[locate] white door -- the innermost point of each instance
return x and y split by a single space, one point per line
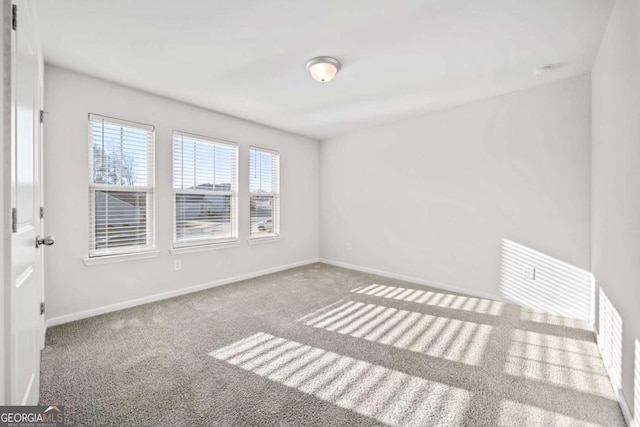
26 263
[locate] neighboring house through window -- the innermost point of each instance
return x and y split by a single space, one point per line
264 192
205 187
121 186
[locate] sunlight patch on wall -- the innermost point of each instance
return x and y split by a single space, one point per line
520 414
444 337
438 299
610 339
538 281
389 396
566 362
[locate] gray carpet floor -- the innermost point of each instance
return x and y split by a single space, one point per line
325 346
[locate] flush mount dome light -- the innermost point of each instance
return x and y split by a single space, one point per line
323 68
541 71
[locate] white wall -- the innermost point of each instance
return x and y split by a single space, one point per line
433 197
72 287
616 179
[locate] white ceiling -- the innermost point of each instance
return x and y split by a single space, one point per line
247 58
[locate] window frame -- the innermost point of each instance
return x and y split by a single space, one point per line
148 189
203 243
275 193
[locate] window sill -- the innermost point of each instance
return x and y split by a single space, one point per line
203 248
110 259
261 240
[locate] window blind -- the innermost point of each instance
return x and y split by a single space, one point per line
121 186
264 192
205 187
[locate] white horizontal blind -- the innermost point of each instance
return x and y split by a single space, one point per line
121 186
205 187
264 192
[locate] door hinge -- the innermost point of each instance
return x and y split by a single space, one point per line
14 17
41 308
14 220
41 212
42 113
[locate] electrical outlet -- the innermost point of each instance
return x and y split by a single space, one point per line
177 265
348 246
529 272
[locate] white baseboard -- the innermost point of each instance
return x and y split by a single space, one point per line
165 295
626 411
443 286
624 406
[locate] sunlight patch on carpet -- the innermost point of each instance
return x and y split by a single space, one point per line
389 396
435 299
444 337
565 362
516 413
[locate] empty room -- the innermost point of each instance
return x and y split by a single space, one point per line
320 213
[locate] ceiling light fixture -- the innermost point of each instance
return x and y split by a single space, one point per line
323 68
540 71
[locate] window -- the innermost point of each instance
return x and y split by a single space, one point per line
205 187
264 192
121 186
